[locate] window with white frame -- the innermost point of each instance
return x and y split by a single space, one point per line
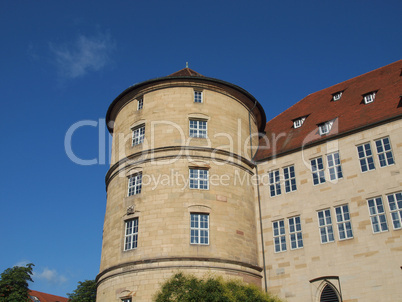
317 169
343 222
334 166
279 236
135 184
274 183
377 215
369 98
395 207
365 157
126 300
297 123
131 234
198 128
140 103
199 229
337 96
295 233
199 179
384 152
138 135
290 179
197 96
325 226
326 127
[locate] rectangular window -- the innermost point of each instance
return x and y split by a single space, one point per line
325 226
384 152
365 157
138 135
334 166
131 234
198 128
343 221
317 168
279 236
197 96
325 128
140 103
395 207
290 179
199 229
199 179
377 215
369 98
274 183
135 184
126 300
295 233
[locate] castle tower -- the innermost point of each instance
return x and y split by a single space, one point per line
180 194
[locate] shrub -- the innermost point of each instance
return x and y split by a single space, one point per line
187 288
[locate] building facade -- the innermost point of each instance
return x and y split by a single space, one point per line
308 205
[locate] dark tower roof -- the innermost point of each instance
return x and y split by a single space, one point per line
185 72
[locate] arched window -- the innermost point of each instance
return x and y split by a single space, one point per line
329 294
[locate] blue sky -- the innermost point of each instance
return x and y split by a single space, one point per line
64 62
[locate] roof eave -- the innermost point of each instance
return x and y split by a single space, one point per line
327 138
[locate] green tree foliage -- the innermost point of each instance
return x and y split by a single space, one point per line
185 288
85 292
14 283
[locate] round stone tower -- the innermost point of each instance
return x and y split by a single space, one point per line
180 189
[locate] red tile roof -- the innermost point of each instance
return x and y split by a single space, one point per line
43 297
350 112
185 72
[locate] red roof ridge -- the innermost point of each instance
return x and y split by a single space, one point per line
388 66
185 72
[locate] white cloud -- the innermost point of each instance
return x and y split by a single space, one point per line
84 55
50 275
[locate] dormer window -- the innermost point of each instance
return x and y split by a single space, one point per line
337 96
325 128
369 98
298 122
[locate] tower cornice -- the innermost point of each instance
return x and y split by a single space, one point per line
245 97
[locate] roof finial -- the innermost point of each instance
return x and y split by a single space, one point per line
186 64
